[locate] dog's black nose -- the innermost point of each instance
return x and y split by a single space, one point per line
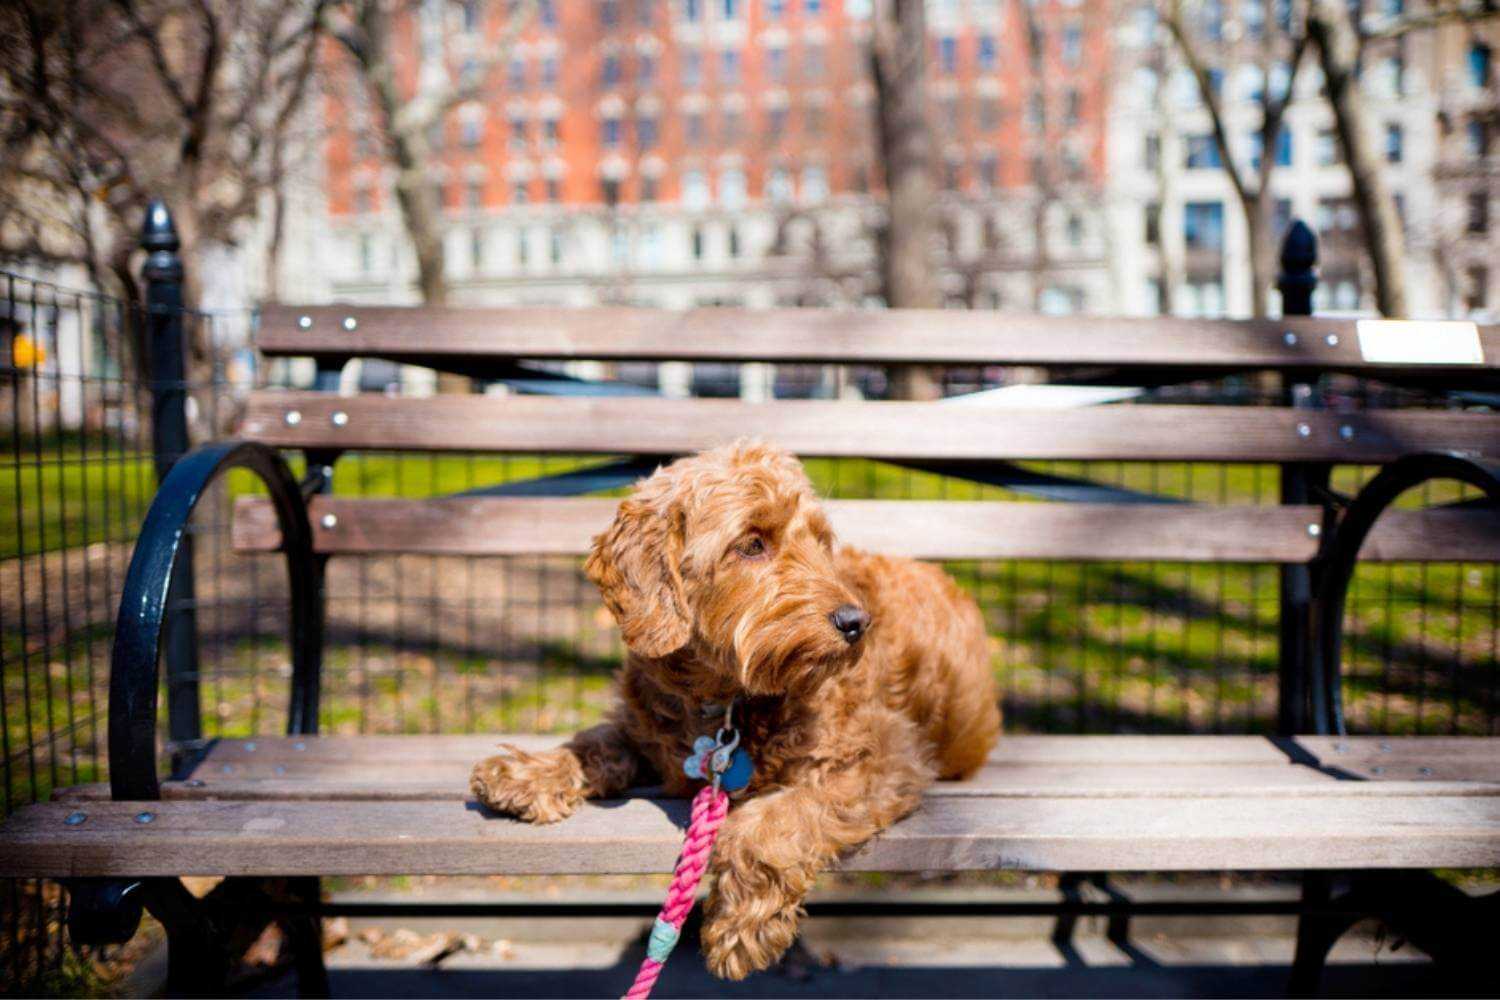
851 621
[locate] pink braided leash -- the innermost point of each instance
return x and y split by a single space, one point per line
710 806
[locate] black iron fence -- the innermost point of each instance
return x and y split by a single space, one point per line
98 396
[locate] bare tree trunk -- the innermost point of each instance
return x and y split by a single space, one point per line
1259 242
1331 29
898 60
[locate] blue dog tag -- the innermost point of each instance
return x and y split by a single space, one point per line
738 774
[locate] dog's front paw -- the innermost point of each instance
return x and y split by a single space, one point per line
536 787
746 927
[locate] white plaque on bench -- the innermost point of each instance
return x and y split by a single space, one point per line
1419 342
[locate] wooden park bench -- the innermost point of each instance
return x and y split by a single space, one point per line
276 813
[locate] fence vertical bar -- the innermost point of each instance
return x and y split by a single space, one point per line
1299 480
163 274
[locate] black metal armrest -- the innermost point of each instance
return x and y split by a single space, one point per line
144 605
1339 559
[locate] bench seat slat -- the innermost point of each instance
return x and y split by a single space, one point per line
635 836
938 529
880 430
1153 750
403 768
469 337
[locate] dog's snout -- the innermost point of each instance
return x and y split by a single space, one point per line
851 621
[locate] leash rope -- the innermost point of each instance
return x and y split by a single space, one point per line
710 806
719 760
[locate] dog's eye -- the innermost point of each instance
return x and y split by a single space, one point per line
752 547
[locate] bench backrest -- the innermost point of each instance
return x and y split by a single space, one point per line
952 434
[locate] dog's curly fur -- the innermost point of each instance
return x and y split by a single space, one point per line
722 572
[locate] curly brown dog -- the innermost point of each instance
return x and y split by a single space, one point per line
858 679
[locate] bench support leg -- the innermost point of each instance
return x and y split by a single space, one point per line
304 935
1318 930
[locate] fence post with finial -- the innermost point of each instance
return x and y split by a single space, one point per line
1300 481
163 275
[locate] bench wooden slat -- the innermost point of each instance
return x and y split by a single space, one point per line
491 526
636 836
468 337
418 767
929 431
939 529
1154 750
1033 781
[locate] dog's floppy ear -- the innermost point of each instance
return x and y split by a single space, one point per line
635 564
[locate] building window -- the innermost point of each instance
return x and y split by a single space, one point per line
520 192
776 64
518 133
1480 68
609 13
645 70
476 249
473 15
1153 224
1151 153
609 191
776 123
779 185
734 241
551 131
776 9
1328 148
814 185
547 12
989 171
1479 212
693 127
1202 153
648 189
813 120
1072 46
692 68
812 62
470 132
554 190
549 72
950 175
1253 16
812 7
366 253
645 133
1477 138
1075 230
732 126
611 128
1072 109
948 54
516 74
610 71
732 188
1477 294
554 247
988 54
1394 143
362 200
474 194
989 114
729 66
1203 225
692 10
695 189
697 243
1337 215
